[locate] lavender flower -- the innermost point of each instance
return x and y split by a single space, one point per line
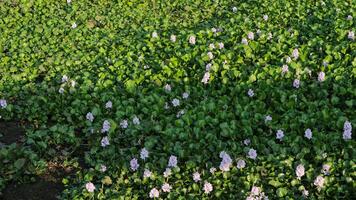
134 164
154 193
250 93
279 134
252 154
105 141
308 134
296 83
124 124
321 76
172 161
90 116
108 105
300 171
90 187
206 78
144 154
207 187
241 164
192 39
147 173
175 102
166 187
3 103
196 177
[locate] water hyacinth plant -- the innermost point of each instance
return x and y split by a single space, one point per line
179 99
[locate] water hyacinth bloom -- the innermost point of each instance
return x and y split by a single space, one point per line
319 182
72 83
308 134
146 67
210 55
270 36
349 17
175 102
103 168
285 69
247 141
207 187
296 83
305 193
74 25
90 116
147 173
226 161
255 191
167 87
64 78
244 41
172 161
166 187
221 45
124 124
105 141
295 54
250 93
241 164
206 78
154 193
196 177
136 121
185 95
321 76
208 67
234 9
211 46
180 113
279 134
69 1
106 126
351 35
347 135
268 118
61 90
144 154
167 172
108 105
212 170
326 169
258 32
252 154
90 187
288 60
300 171
250 35
3 103
265 17
173 38
166 105
134 164
192 39
154 34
